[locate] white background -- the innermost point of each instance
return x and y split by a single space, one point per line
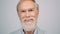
48 20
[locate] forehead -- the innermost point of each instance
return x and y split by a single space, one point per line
26 5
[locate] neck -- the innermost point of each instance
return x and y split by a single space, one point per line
28 32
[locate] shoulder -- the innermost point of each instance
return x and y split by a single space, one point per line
16 32
40 31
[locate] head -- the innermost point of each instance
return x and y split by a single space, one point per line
28 0
28 13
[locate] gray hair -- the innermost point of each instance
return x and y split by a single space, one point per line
30 0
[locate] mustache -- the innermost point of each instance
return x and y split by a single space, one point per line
28 19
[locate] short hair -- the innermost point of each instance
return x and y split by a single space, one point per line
28 0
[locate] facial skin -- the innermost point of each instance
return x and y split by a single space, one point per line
28 13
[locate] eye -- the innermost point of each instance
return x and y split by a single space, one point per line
22 11
30 10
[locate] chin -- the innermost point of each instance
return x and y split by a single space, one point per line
29 26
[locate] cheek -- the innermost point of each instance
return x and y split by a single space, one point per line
34 14
21 16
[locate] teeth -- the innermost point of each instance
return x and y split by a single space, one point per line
28 20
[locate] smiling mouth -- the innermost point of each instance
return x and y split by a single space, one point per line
28 20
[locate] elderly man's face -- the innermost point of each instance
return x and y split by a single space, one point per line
28 13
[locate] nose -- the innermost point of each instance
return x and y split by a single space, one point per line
27 14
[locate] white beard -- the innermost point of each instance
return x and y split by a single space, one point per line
29 26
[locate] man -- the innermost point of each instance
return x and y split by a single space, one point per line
28 12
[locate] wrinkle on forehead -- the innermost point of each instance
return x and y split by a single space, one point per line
26 3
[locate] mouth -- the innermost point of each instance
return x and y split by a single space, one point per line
28 20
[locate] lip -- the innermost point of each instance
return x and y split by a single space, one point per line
28 20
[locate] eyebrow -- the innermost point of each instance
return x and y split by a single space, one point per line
29 8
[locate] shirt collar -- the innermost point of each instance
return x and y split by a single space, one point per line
35 32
